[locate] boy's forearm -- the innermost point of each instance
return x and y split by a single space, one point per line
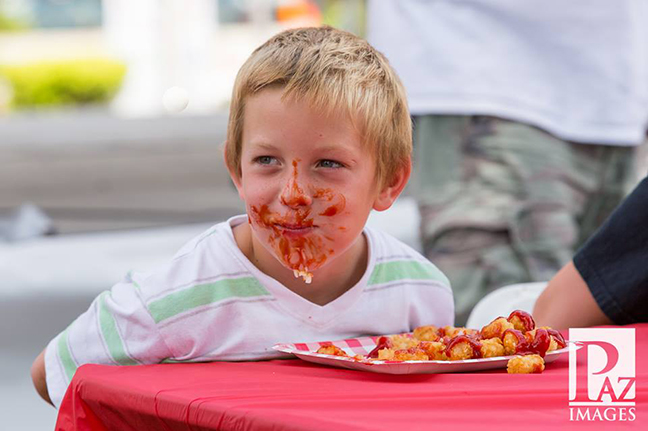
38 377
568 303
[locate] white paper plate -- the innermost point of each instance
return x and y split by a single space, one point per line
362 346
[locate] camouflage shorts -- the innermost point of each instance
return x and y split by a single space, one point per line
503 202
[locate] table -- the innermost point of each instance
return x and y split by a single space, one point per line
296 395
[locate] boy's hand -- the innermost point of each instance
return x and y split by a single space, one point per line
38 377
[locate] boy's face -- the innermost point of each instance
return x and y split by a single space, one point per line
306 180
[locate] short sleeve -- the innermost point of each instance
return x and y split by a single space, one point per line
117 329
614 261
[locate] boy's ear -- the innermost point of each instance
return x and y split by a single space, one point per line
236 179
391 191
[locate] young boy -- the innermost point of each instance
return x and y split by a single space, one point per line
319 135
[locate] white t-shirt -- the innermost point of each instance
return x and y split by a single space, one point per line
577 68
211 303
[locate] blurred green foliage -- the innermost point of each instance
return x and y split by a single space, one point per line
349 15
68 82
11 24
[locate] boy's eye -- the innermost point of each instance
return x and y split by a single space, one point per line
330 164
266 160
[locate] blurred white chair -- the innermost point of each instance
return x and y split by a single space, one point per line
504 300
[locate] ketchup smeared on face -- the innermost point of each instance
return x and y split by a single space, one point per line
296 196
294 236
334 209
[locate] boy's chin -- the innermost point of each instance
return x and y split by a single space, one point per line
307 274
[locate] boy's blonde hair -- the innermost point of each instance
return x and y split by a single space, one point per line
334 71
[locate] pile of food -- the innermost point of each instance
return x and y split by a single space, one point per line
515 336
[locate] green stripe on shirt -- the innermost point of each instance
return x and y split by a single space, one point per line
110 334
65 356
406 270
204 294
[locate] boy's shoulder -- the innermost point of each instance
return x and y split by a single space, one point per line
396 261
208 258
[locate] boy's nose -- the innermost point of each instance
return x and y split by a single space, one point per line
293 195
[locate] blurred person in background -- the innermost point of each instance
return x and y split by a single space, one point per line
527 116
607 280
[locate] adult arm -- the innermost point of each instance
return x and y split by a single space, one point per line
38 377
567 302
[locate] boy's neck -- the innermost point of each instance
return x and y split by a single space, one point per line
329 282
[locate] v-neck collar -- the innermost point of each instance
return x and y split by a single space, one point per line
292 303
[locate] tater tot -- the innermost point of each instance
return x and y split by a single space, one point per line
525 364
411 354
403 342
434 349
463 348
385 354
522 321
427 333
553 345
496 328
510 340
492 347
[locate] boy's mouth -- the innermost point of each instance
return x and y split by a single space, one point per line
291 229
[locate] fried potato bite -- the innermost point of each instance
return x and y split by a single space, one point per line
553 344
492 347
496 328
411 354
331 350
525 364
386 354
460 351
403 341
522 321
435 350
452 331
427 333
463 347
511 339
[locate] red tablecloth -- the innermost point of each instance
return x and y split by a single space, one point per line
295 395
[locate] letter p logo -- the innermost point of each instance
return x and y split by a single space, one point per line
601 366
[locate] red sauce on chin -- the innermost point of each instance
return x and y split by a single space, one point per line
296 253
